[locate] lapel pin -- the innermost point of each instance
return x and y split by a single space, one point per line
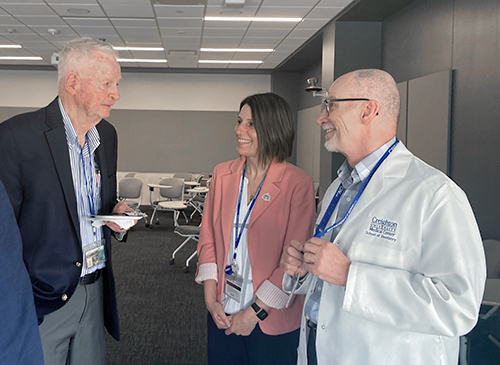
266 197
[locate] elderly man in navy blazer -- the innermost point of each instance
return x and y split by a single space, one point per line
58 165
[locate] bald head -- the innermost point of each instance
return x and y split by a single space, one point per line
373 84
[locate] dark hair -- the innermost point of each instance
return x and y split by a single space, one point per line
273 121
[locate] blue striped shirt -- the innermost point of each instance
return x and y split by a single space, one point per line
86 182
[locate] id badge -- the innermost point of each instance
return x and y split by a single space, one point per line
233 285
94 254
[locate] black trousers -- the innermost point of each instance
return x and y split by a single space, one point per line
255 349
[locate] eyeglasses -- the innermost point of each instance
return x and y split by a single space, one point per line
329 103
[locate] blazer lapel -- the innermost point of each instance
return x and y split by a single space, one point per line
269 191
395 166
56 139
230 187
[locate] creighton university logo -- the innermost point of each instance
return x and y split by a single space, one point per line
382 228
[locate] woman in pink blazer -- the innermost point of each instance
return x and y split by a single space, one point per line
256 205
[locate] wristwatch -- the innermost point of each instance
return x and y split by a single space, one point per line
259 312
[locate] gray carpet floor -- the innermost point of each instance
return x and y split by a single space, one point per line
161 308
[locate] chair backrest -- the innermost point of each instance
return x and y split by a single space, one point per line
130 174
130 188
177 191
186 176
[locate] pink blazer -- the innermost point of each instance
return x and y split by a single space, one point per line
288 214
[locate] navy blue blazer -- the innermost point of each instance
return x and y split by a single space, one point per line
35 169
19 337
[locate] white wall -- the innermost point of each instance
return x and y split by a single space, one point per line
142 91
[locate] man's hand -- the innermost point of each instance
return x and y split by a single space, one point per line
120 208
292 259
323 259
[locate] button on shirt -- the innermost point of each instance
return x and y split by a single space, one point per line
351 180
85 181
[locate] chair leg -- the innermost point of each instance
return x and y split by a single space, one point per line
172 260
152 218
186 268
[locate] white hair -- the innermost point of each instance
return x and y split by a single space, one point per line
74 54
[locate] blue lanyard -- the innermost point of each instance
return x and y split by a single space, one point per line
320 230
239 232
90 194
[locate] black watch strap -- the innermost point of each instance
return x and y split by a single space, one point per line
259 312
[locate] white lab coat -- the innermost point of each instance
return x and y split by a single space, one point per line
417 274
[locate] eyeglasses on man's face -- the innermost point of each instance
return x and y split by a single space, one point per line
329 103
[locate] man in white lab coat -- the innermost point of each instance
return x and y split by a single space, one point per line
405 274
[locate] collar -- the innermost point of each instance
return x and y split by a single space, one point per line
93 136
348 175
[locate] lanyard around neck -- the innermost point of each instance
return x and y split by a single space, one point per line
238 229
89 192
320 230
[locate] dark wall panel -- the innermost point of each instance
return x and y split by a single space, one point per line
418 40
475 142
430 36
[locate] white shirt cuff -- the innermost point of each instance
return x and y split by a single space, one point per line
271 295
206 271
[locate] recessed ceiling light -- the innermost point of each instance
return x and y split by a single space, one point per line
53 31
78 11
148 49
230 12
236 50
250 19
22 58
180 32
179 12
228 61
10 46
149 60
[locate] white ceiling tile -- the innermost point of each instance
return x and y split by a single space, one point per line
302 33
284 12
223 32
146 32
269 42
252 3
27 9
257 56
180 22
98 32
243 66
16 30
285 3
186 32
322 13
131 22
181 47
181 40
220 42
150 39
19 38
123 10
41 20
334 3
311 23
62 30
264 33
127 2
78 2
173 11
94 10
88 22
269 25
6 20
